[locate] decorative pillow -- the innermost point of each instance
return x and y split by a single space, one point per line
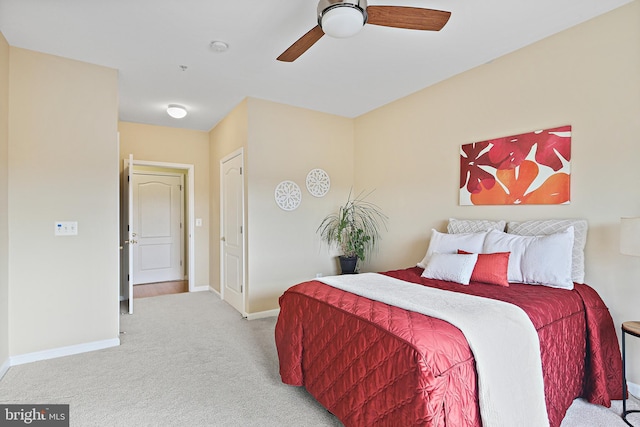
536 260
456 226
450 267
491 268
551 226
450 243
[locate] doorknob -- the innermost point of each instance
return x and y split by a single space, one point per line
222 239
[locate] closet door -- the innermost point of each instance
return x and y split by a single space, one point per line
232 261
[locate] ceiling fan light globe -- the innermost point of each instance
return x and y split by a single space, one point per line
343 21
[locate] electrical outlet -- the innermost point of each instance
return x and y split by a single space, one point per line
66 228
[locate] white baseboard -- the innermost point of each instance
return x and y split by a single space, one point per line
633 388
62 351
252 316
200 288
263 314
4 368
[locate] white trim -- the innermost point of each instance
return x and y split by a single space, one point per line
192 238
215 291
63 351
189 168
129 213
263 314
167 165
120 241
200 288
4 368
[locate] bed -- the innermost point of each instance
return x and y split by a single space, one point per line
370 363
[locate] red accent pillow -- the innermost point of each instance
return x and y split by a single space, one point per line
491 268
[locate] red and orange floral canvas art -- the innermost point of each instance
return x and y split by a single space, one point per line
529 169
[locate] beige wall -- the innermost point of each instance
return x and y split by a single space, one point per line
225 138
281 143
173 145
588 77
4 207
285 143
62 166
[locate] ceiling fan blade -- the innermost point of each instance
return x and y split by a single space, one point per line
413 18
301 45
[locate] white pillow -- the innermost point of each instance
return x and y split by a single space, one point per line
550 226
456 226
450 267
450 243
536 260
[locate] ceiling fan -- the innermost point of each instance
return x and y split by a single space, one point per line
344 18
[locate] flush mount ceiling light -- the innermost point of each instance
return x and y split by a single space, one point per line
343 19
176 111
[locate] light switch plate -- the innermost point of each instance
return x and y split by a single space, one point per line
66 228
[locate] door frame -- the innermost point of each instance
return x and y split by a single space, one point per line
190 205
236 153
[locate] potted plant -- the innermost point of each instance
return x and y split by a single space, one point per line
354 228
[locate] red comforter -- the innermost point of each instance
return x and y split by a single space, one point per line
370 363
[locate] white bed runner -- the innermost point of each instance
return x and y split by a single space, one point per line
504 342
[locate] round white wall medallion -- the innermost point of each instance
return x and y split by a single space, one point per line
318 182
288 195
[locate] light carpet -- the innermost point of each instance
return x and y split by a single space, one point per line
191 360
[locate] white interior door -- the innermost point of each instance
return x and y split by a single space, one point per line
232 231
157 225
128 244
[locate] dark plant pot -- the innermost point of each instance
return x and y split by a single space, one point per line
348 265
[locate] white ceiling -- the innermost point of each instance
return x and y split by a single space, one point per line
148 40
